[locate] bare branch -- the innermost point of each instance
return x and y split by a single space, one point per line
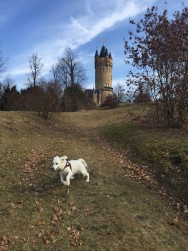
3 61
35 67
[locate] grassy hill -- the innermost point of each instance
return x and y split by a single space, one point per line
164 151
111 212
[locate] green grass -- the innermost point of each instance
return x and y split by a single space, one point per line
151 145
164 151
111 212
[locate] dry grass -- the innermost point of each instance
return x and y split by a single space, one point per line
112 212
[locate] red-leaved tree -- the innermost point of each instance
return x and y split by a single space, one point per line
158 48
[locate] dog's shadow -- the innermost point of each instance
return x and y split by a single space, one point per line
36 186
48 185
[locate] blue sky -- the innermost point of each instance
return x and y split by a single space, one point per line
47 27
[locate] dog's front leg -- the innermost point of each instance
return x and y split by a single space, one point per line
68 178
62 180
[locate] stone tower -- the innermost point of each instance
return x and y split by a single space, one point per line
103 76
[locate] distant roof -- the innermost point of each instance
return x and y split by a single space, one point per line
103 53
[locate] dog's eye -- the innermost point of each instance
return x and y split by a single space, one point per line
56 163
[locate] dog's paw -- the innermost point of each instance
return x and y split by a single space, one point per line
72 177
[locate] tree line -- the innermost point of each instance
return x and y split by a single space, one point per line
62 92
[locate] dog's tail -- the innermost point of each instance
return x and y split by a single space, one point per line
83 161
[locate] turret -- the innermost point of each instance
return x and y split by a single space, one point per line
96 54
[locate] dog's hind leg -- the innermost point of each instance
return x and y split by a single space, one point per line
85 173
87 180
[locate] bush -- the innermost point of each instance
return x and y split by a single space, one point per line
74 99
111 102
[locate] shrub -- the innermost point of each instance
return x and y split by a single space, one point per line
111 102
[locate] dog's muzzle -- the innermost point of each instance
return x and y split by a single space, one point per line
57 169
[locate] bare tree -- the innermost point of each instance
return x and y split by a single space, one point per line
3 61
35 67
69 70
71 75
119 90
55 75
50 99
8 81
141 95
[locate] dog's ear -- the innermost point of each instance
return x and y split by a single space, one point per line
64 158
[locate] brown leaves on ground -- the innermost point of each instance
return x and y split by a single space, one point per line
47 235
72 208
5 243
35 160
142 174
57 216
74 235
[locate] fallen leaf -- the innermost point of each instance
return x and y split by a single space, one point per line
41 209
42 222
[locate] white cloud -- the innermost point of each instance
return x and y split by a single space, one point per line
121 81
22 69
89 26
97 18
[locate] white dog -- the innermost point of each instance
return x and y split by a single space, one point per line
69 168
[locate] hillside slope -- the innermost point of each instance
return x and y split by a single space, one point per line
111 212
